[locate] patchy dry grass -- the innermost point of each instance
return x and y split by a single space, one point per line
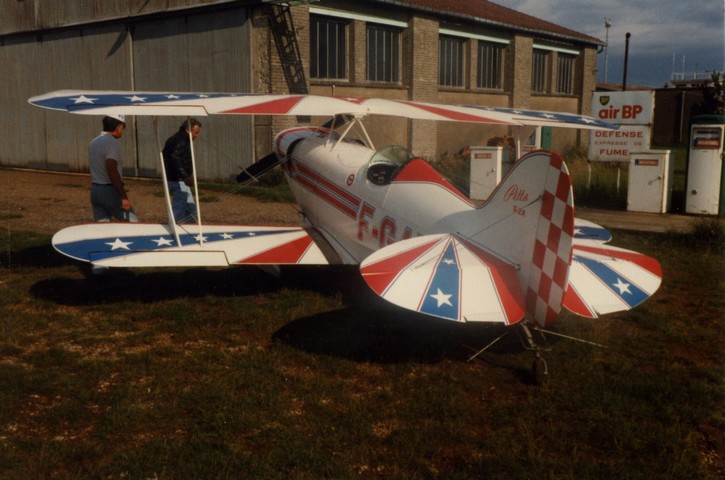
233 373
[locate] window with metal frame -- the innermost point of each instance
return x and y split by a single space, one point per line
383 53
450 61
490 65
565 73
539 67
328 47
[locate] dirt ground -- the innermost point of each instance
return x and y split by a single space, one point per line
45 202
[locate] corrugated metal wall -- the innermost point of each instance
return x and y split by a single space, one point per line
200 53
197 51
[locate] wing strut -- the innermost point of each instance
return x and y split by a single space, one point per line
353 121
520 134
196 183
167 195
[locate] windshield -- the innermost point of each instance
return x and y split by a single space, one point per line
386 162
391 155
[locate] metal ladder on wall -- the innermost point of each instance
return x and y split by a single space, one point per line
283 31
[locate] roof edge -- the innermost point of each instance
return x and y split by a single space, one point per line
581 39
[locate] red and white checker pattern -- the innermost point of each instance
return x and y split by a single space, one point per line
553 248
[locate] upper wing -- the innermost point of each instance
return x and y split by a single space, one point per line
446 277
94 102
154 245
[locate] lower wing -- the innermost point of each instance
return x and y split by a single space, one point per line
155 245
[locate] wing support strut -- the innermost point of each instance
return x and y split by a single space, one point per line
196 183
167 195
356 120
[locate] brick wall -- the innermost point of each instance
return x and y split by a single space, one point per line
424 82
519 70
419 80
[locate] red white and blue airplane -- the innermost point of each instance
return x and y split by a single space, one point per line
515 259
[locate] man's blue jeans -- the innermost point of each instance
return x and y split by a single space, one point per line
182 202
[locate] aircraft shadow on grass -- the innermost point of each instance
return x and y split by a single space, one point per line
41 256
367 329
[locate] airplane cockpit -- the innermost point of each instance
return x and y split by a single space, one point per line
386 163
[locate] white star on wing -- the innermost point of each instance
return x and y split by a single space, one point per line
171 96
136 98
226 236
449 261
161 241
83 99
119 244
622 287
442 298
200 238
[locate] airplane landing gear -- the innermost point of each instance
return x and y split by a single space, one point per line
539 369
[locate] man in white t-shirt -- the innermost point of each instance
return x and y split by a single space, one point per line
108 195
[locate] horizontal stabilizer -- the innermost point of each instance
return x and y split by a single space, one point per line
154 245
585 230
446 276
258 168
605 279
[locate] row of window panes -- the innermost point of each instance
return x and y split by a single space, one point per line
328 47
564 72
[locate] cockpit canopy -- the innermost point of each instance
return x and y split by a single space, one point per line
386 163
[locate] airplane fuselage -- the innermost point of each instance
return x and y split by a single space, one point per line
361 199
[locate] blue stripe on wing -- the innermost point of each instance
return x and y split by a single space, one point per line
443 296
112 247
619 285
78 101
592 233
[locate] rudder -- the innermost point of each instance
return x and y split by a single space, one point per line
551 258
529 221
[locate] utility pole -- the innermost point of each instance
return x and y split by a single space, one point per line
626 61
607 24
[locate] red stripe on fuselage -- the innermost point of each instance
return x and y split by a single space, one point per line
418 170
326 190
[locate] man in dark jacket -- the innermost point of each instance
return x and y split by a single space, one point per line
180 170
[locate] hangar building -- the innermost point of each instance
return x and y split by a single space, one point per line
448 51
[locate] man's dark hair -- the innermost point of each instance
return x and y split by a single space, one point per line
110 124
189 123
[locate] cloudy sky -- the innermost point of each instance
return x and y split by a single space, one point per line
692 31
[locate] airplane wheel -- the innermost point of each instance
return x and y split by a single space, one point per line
539 371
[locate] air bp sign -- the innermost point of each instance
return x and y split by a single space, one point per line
633 112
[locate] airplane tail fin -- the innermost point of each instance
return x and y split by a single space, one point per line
529 221
501 262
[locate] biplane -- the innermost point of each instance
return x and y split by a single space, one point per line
515 259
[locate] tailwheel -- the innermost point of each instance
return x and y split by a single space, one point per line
539 370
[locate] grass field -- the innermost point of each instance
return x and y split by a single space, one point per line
236 374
